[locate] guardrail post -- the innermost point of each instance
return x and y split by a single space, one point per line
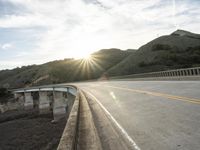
195 72
185 72
59 105
28 104
190 72
179 73
44 102
198 71
182 72
19 97
168 73
162 74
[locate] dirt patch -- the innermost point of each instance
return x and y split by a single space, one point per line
27 130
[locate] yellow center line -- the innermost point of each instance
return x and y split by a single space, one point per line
174 97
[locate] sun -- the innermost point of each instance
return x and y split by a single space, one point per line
84 57
87 57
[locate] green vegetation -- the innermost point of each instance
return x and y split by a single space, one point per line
4 94
67 70
158 47
166 52
70 70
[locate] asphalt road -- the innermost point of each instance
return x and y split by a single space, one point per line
157 115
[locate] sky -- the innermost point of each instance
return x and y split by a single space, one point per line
38 31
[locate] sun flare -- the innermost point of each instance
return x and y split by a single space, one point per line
83 56
87 57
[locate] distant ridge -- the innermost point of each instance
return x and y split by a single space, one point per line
186 33
179 49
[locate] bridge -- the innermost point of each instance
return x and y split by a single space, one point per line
142 111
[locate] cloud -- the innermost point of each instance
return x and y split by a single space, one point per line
6 46
73 27
9 64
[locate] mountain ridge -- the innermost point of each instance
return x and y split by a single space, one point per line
179 49
168 48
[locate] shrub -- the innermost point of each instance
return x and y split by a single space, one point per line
158 47
3 92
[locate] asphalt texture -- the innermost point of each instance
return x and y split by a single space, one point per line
155 114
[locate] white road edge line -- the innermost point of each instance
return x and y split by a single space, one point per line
135 146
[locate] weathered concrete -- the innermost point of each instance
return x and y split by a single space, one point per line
17 95
80 132
69 136
20 99
44 102
88 138
28 104
3 108
59 105
198 71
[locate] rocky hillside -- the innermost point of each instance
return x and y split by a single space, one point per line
67 70
177 50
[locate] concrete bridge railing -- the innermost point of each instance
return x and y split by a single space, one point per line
185 72
47 98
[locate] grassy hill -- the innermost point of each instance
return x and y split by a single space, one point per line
66 70
25 75
177 50
76 70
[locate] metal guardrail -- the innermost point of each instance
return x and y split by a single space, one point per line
169 73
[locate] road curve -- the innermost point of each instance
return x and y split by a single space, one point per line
157 115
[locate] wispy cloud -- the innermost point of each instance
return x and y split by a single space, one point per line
69 28
6 46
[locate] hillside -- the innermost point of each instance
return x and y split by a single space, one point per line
66 70
77 70
177 50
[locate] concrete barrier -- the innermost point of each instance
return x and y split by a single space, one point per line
87 127
59 105
80 132
44 102
69 136
88 137
185 73
3 108
46 98
28 104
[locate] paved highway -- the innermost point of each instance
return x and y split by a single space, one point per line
157 115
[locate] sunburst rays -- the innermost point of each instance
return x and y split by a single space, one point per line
88 67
